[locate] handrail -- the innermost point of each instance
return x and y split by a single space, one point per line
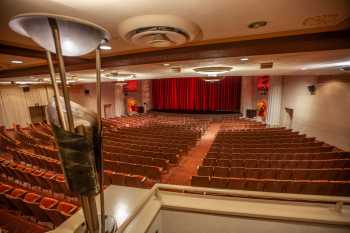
257 194
338 200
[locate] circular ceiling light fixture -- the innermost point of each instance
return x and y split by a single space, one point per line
159 31
16 62
213 70
114 75
244 59
105 47
78 37
257 24
166 64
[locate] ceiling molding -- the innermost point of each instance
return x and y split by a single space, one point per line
32 53
277 45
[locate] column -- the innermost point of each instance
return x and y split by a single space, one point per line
119 100
247 94
274 101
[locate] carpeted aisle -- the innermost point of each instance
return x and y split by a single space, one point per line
187 167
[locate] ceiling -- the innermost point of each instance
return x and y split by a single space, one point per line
296 64
219 21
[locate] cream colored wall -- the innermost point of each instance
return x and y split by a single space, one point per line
78 95
14 103
323 115
190 222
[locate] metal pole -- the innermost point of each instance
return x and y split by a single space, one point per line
62 71
87 201
99 125
56 92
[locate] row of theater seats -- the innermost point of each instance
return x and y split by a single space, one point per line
269 163
131 180
148 149
136 159
273 159
276 173
28 203
171 157
12 223
152 172
46 181
271 149
35 160
280 156
319 187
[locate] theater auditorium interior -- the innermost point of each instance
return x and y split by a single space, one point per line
154 116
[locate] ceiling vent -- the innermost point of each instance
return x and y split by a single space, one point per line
176 69
266 65
159 31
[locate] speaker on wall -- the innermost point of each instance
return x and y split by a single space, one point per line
312 89
25 89
86 91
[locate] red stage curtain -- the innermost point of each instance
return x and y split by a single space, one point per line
194 94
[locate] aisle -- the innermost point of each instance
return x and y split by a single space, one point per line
187 167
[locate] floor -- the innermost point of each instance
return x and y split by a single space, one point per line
187 167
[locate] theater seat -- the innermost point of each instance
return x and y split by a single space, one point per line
59 214
134 181
117 179
205 171
32 200
4 188
46 205
236 183
200 181
218 182
15 198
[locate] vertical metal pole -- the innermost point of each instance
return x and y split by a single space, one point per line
99 125
88 202
62 70
56 92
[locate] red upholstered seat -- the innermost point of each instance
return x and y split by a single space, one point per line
218 182
15 197
236 183
134 180
32 200
117 179
17 224
205 171
59 214
221 171
200 181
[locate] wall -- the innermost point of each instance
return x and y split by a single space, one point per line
190 222
15 103
323 115
77 94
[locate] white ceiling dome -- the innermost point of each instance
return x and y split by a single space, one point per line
159 30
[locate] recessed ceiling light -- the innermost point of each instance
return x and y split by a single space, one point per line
244 59
213 70
105 47
257 24
166 64
16 62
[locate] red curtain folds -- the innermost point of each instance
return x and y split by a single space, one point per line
194 94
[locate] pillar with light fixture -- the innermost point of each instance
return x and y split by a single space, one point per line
77 130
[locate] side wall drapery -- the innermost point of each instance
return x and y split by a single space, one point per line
194 94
